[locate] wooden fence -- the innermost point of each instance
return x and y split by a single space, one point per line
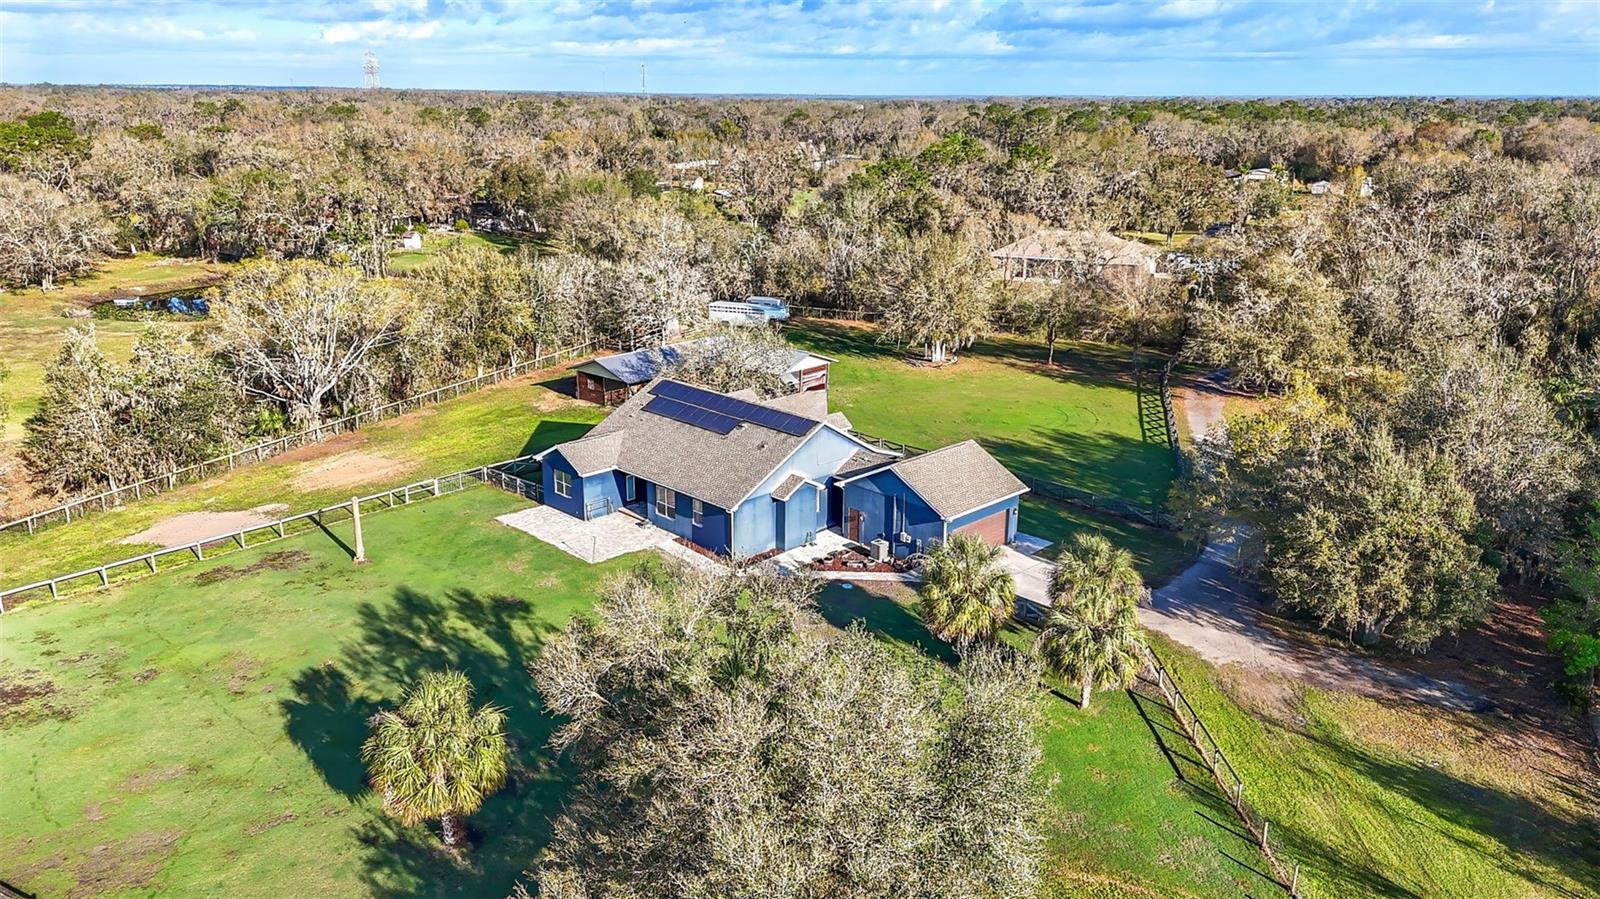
78 508
828 312
1285 873
498 474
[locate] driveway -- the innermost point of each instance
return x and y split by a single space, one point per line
1212 610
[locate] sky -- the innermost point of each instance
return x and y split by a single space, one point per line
865 47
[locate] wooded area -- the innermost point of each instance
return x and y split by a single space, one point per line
1424 325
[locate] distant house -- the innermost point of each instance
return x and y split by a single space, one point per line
610 380
747 478
1319 188
1260 174
1052 253
411 240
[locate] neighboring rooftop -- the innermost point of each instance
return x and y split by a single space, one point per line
1101 247
639 366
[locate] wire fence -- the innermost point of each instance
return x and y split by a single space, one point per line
1284 872
498 474
829 312
110 499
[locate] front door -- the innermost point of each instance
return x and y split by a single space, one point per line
853 525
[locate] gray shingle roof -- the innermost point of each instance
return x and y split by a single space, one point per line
958 478
806 403
593 453
863 460
788 486
721 469
640 366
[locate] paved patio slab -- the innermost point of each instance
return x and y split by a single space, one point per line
593 541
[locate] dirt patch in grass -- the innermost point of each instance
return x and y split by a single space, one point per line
267 824
26 696
239 670
278 561
333 445
192 527
350 469
129 864
140 781
1275 698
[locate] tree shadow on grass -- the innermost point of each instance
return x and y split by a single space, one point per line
885 618
492 639
1526 838
548 433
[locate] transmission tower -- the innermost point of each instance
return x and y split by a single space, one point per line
369 70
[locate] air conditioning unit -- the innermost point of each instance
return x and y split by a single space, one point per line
880 550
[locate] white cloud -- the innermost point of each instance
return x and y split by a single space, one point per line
639 46
381 30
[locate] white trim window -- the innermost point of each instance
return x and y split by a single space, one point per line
666 502
563 484
697 512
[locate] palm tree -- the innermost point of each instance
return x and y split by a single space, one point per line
966 594
436 756
1092 633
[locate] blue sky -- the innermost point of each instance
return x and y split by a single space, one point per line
926 47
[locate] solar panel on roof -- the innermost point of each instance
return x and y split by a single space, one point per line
728 407
691 415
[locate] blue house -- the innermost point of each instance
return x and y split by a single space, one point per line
744 478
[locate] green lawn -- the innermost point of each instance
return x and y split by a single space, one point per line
402 261
495 423
1077 422
31 322
1121 818
1393 799
196 733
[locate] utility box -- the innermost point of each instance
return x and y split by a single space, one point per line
880 550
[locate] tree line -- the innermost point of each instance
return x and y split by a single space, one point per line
1426 339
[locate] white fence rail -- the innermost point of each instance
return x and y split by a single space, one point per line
228 541
99 502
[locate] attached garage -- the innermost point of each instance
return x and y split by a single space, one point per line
995 528
915 502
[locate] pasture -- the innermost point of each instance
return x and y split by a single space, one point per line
196 733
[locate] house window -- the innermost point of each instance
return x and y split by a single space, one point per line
666 502
563 484
696 512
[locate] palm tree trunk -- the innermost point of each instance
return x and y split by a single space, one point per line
1086 692
455 830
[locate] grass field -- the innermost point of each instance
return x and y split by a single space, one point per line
1077 422
519 417
495 423
31 322
402 261
1395 799
196 733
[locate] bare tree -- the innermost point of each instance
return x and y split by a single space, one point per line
296 332
43 233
